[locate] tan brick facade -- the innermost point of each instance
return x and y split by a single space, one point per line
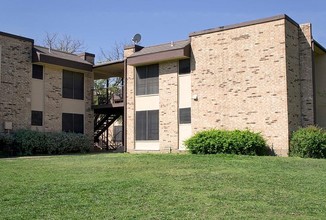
130 103
16 85
168 112
255 75
15 82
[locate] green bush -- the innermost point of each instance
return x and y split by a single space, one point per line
6 145
27 142
227 142
308 142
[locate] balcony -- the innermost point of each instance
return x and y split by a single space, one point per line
107 98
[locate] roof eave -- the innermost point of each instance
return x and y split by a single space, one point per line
179 53
321 47
244 24
44 58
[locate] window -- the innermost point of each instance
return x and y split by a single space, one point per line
37 72
147 80
184 66
117 133
73 123
73 85
37 118
147 125
185 115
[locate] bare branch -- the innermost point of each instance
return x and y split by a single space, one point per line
115 53
50 40
65 43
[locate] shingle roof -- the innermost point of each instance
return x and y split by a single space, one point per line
60 54
174 45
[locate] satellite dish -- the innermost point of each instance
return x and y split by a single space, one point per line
136 39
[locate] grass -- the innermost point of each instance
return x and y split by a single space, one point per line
162 186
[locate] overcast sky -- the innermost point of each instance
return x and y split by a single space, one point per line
101 23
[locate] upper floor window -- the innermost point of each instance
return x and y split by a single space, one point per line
73 85
184 66
147 80
37 71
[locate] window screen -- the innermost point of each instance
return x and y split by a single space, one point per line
185 115
37 72
147 125
73 123
73 85
37 118
147 81
184 66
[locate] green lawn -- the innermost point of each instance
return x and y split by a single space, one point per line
162 186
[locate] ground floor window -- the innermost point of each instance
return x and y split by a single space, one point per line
37 118
73 123
185 115
147 125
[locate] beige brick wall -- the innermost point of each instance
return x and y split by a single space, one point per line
306 74
130 114
89 113
15 84
293 76
168 113
53 98
240 79
53 103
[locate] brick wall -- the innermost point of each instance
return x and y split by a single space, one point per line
168 115
240 78
306 74
293 76
15 85
130 114
53 99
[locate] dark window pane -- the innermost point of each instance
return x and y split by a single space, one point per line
68 85
78 123
141 81
184 66
117 133
147 81
153 125
79 86
37 72
141 125
73 85
37 118
67 122
185 115
152 79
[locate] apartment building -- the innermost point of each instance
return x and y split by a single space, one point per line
267 75
43 89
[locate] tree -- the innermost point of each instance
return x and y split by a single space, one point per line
115 52
63 43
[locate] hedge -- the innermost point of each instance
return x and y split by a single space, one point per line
309 142
27 142
227 142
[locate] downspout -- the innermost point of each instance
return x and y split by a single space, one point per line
124 134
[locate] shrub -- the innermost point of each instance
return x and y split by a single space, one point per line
308 142
27 142
227 142
6 145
